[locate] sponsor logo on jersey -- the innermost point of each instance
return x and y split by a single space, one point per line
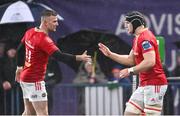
146 45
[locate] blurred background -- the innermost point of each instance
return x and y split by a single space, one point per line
82 24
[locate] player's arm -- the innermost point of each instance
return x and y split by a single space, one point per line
148 62
149 57
65 57
122 59
20 57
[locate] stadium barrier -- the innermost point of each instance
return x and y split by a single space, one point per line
95 99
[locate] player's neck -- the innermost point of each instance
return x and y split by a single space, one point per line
43 29
139 30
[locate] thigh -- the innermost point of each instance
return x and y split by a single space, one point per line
136 104
34 91
137 97
153 98
40 107
25 90
35 96
28 108
38 92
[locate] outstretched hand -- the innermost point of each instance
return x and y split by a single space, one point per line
104 49
83 57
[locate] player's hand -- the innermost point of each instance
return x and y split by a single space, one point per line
104 49
83 57
18 72
124 73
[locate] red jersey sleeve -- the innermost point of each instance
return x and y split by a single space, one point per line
27 33
47 45
146 45
23 39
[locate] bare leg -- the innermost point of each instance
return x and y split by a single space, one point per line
132 110
40 107
28 108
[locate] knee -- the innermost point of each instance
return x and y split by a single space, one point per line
153 110
42 112
28 112
133 109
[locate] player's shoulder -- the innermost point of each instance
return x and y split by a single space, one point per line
48 39
44 37
39 34
28 33
147 40
30 30
147 35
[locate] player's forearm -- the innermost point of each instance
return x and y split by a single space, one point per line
20 55
148 62
63 57
122 59
145 65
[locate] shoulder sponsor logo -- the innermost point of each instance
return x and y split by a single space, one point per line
146 45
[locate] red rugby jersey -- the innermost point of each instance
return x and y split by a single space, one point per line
144 43
39 47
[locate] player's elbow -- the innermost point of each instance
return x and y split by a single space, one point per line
130 62
151 64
